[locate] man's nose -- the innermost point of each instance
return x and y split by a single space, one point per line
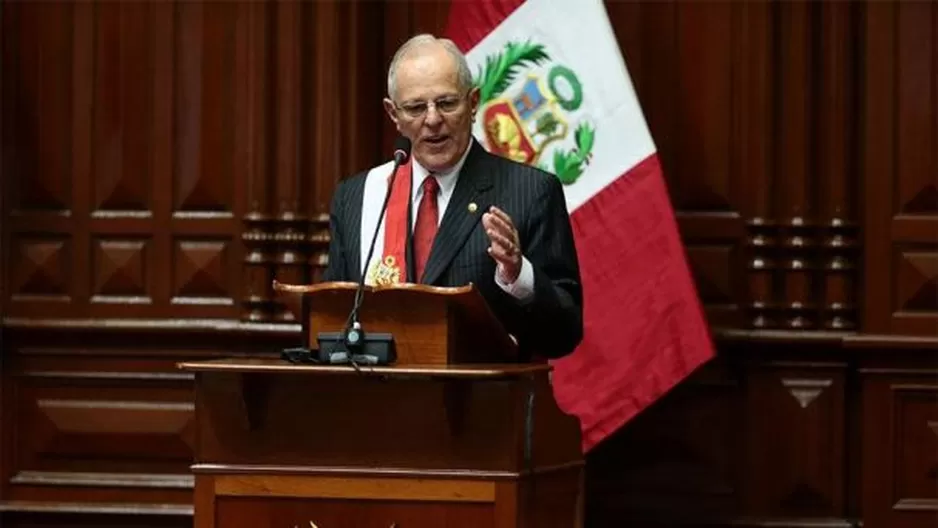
433 117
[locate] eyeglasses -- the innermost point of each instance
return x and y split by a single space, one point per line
448 104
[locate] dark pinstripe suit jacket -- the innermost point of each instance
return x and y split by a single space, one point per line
551 324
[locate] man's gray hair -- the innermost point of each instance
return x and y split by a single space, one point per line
463 74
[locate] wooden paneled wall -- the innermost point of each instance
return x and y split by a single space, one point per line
161 162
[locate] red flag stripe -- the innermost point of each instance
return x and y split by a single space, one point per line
645 329
471 20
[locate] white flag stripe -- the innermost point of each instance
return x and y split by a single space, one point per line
578 35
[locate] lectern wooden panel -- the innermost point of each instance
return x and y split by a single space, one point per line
431 325
284 445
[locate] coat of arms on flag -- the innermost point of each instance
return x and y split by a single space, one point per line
523 123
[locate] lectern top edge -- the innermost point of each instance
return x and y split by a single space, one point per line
463 371
344 285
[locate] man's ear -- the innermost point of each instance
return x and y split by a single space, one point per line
474 95
392 113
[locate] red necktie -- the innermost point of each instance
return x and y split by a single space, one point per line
425 227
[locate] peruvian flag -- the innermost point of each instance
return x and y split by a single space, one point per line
555 93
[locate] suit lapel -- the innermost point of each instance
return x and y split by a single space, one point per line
354 223
474 185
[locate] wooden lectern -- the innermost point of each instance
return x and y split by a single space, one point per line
451 436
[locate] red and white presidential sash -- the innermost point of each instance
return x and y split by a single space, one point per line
391 266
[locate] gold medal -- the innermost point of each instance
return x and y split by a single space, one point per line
385 272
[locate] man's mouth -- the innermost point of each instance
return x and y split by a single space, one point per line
435 140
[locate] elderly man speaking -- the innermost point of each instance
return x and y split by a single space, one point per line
469 216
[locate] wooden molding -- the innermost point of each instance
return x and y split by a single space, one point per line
117 480
225 326
96 508
373 488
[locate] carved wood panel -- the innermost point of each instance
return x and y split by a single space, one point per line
171 159
103 416
136 517
900 155
120 152
749 105
249 512
900 452
93 424
804 404
89 421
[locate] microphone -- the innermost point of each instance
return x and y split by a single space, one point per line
401 153
353 335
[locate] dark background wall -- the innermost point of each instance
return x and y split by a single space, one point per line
162 162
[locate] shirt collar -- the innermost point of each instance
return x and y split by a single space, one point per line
446 179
